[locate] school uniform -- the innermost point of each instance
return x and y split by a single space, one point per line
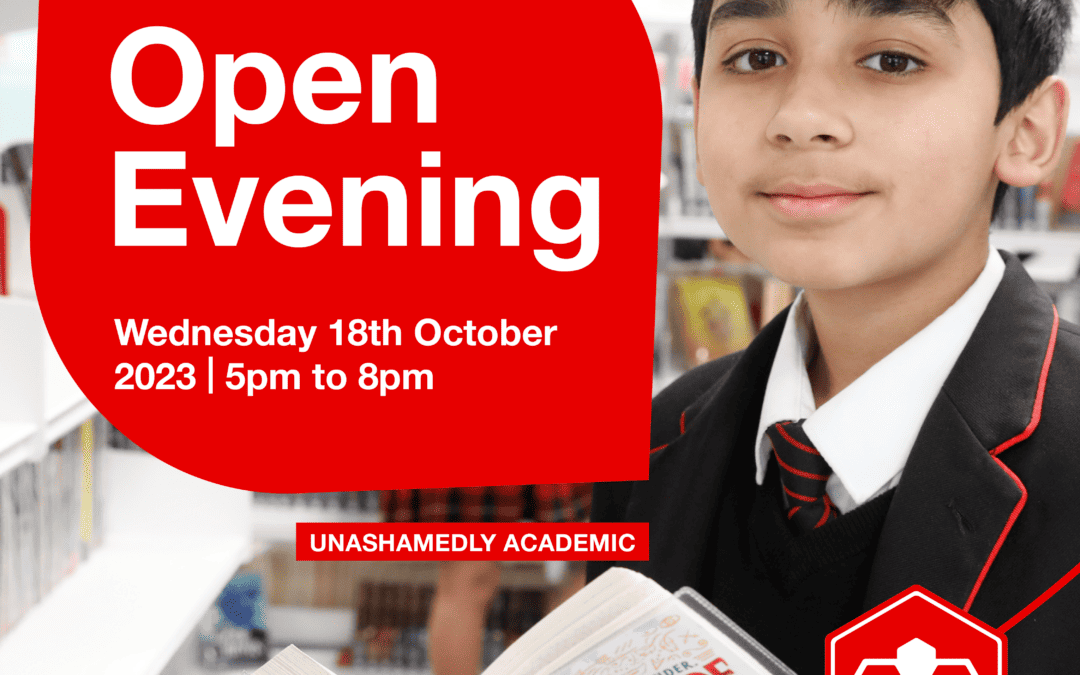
979 506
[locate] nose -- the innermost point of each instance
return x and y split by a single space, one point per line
811 114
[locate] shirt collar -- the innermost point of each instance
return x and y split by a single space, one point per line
866 431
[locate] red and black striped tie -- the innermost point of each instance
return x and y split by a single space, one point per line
803 474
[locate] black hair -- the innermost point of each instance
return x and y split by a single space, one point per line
1030 36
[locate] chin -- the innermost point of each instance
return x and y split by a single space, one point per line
820 268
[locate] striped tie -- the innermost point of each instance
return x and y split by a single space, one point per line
803 475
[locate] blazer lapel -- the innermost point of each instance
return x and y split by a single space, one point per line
956 501
952 503
680 497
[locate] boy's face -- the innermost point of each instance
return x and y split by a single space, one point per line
841 149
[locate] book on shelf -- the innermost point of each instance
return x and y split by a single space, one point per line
17 168
16 277
233 631
3 250
21 550
710 318
1044 206
48 521
1028 209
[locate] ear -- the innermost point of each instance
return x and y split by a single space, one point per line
697 155
1037 135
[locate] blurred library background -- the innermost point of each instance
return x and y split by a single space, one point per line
113 562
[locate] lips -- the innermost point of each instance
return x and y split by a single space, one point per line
811 201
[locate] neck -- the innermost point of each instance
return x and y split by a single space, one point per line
857 327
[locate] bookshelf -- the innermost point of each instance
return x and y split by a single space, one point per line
1053 256
124 612
171 542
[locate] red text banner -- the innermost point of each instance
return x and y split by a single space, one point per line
472 541
354 245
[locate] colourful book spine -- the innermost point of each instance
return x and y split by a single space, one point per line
3 250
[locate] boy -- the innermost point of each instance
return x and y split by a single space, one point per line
909 419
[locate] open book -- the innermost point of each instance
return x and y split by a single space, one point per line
623 623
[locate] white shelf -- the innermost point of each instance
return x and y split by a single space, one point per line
22 397
277 523
68 418
690 227
125 611
172 542
17 444
1054 256
1032 240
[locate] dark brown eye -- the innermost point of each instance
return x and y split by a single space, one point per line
757 59
763 60
892 63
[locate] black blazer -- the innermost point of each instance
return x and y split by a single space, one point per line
987 512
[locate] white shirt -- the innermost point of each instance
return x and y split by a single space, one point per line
866 431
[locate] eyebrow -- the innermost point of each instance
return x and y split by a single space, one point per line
933 13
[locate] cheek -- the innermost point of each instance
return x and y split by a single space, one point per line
922 142
729 129
718 151
729 148
940 158
725 157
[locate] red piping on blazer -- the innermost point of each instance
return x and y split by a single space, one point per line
1036 415
682 430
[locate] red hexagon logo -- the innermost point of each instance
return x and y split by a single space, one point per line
916 633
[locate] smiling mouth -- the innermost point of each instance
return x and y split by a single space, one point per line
812 201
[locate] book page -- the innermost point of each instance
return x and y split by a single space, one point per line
292 661
672 640
613 618
587 611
